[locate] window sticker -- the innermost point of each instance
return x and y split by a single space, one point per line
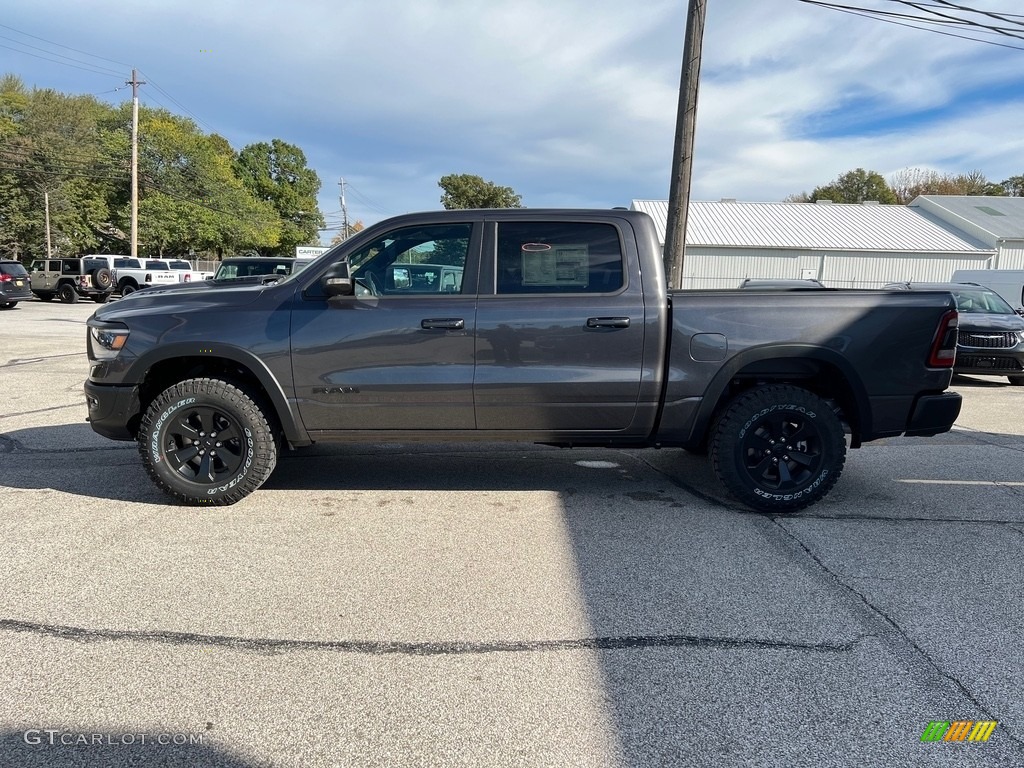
556 265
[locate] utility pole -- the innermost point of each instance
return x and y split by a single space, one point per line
46 200
344 211
682 157
135 83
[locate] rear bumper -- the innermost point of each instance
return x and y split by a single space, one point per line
934 414
113 411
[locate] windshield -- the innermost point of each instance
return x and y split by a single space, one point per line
981 302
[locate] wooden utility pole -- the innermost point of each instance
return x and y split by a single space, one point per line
682 157
46 200
135 83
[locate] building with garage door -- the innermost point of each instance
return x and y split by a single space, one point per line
844 246
998 222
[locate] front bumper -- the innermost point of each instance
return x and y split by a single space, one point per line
934 414
114 412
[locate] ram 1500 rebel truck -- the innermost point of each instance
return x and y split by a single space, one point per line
558 329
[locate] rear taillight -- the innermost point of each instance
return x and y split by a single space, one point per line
83 281
943 353
188 278
149 278
4 278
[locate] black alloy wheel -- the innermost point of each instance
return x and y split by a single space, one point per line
206 441
778 448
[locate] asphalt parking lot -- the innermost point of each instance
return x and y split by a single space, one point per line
429 605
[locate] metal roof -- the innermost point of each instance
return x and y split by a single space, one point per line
1002 217
837 227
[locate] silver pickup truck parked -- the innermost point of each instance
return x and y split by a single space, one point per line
131 275
558 330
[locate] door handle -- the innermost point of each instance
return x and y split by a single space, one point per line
445 324
608 322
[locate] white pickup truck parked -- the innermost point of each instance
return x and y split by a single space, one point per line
132 274
186 271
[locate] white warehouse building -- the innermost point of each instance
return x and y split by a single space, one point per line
844 246
998 222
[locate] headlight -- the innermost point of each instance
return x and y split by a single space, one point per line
106 343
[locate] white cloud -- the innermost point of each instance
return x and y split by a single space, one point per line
570 102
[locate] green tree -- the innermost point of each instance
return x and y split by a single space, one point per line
464 190
856 186
276 173
1013 186
190 197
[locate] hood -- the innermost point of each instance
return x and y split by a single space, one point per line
971 321
183 297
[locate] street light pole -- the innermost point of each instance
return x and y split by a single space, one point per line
682 157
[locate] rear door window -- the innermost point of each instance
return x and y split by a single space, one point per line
558 257
13 269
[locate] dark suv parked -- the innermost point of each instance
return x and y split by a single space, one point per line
15 284
71 278
991 335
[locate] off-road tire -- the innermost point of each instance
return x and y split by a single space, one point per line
778 448
127 287
101 279
211 471
68 294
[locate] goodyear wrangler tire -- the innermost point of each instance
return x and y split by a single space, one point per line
207 442
778 448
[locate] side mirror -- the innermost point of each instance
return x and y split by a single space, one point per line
337 281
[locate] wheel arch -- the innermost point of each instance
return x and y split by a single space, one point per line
169 365
817 369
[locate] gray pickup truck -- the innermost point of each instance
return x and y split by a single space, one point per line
559 329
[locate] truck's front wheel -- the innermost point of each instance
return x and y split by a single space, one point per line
206 441
778 448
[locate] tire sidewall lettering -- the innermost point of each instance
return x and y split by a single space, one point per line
250 453
155 439
772 408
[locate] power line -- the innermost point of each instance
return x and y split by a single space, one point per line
928 22
180 105
44 58
68 48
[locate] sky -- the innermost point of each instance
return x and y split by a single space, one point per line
572 103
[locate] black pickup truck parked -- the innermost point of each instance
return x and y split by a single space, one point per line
558 330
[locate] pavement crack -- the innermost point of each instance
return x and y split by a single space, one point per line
885 617
8 415
29 360
689 488
406 648
9 444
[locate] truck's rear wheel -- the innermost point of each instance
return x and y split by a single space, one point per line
68 294
205 441
778 448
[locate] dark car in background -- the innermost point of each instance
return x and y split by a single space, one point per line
15 284
991 333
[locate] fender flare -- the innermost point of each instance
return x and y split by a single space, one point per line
286 412
718 386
